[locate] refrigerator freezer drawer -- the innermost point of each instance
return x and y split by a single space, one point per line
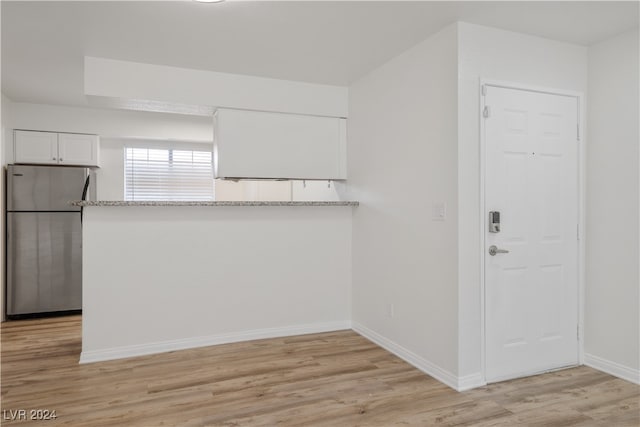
44 262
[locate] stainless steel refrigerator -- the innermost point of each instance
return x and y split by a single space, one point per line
44 238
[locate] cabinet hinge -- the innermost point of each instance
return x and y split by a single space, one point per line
484 90
486 112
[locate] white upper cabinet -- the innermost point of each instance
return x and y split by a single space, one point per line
254 144
78 149
53 148
36 147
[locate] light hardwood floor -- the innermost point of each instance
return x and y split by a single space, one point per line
330 379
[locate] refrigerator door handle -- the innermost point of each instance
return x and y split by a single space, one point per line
86 187
84 194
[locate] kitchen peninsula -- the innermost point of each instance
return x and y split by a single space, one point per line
162 276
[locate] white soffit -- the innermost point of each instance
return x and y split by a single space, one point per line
151 87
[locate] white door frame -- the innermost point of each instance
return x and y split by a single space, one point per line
581 206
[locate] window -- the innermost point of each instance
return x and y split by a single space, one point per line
168 174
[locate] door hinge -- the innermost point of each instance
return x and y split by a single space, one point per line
578 131
486 112
577 231
578 332
484 90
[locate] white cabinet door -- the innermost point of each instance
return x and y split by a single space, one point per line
253 144
36 147
78 149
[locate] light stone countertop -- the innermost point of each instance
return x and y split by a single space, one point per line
124 203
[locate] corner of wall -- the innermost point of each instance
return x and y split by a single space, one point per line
402 162
612 297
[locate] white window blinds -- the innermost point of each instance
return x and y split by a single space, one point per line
168 174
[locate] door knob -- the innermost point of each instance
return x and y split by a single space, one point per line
493 250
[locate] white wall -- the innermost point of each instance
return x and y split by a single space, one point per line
490 53
612 323
315 190
402 153
163 278
7 136
110 176
112 123
267 190
122 81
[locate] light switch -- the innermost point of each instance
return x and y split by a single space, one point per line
439 211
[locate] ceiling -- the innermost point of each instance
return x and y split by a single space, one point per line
43 43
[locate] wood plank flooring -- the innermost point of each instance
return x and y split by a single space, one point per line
330 379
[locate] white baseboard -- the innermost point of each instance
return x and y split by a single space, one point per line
613 368
431 369
471 381
182 344
442 375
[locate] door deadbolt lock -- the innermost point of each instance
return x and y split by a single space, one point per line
494 222
493 250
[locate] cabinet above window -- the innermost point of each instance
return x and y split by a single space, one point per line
263 145
53 148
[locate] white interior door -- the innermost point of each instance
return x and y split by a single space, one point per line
531 178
